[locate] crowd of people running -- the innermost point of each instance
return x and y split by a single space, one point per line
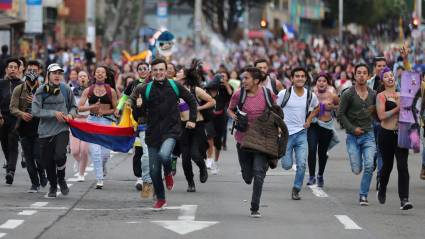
183 112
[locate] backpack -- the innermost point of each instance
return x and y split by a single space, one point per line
64 92
172 83
273 84
267 96
308 101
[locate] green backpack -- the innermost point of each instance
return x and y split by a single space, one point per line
172 83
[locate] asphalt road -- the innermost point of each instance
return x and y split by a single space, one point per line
219 208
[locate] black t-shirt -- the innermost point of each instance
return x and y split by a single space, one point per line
222 100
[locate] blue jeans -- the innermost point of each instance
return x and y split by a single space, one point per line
157 158
361 150
297 143
146 177
98 154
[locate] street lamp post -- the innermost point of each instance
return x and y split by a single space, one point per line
198 23
341 18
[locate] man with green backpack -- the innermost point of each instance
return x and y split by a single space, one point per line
158 102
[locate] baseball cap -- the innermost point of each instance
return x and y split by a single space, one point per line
54 67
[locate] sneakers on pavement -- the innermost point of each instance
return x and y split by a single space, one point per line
99 184
63 187
191 187
81 178
320 181
295 194
255 214
311 181
363 201
203 174
52 192
381 196
33 189
214 168
9 178
139 184
147 190
405 204
43 180
209 163
169 181
159 205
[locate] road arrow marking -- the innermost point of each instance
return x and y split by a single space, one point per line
186 221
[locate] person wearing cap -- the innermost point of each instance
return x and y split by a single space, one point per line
8 135
54 104
27 125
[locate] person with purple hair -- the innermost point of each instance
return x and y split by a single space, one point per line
388 108
321 131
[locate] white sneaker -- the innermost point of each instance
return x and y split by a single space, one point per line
214 168
209 163
80 178
99 184
294 167
139 184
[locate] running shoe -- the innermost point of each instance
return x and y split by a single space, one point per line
295 194
52 192
255 214
99 184
405 204
320 181
139 184
160 205
169 181
311 180
209 163
9 178
80 178
363 201
63 187
33 189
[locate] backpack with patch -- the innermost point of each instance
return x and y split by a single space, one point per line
287 95
172 83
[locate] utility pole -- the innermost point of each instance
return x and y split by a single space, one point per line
91 22
198 23
341 18
246 20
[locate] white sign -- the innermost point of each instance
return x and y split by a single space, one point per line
34 17
186 221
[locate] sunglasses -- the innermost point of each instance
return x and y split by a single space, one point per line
142 69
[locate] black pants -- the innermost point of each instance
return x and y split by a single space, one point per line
31 151
216 129
9 142
193 145
137 161
53 156
253 167
387 141
318 139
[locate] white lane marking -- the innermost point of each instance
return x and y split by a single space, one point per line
347 222
123 209
318 192
11 224
39 204
27 213
2 234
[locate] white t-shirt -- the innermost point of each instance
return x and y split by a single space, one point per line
294 109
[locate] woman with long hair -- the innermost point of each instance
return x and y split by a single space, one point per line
320 132
79 148
102 99
193 142
388 109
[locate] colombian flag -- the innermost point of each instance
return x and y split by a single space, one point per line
118 138
5 4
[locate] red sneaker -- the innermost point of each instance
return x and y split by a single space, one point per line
169 182
159 205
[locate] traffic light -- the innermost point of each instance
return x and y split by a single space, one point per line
264 24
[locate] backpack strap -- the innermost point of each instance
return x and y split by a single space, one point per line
175 88
65 94
148 90
308 101
286 97
268 97
242 98
273 83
